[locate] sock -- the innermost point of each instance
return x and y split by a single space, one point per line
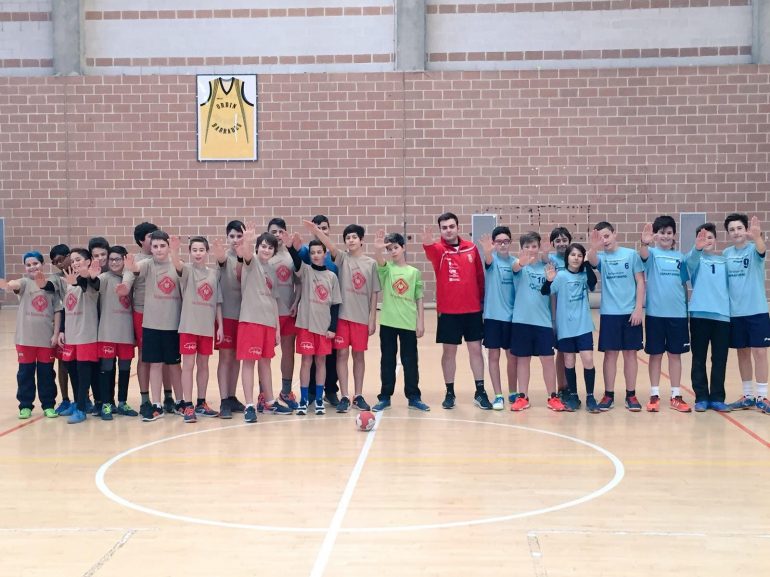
145 397
748 389
319 394
479 386
590 377
105 385
571 377
303 393
200 401
610 394
655 391
167 394
450 388
500 396
286 386
761 390
123 378
631 393
675 392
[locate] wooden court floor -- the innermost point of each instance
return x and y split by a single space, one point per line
461 492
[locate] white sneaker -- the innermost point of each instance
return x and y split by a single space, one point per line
499 403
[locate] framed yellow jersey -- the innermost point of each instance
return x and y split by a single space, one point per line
227 117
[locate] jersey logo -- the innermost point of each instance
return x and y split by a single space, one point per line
321 292
125 302
205 291
306 346
269 283
339 340
400 286
283 273
358 280
108 350
40 303
166 285
71 302
255 350
470 257
191 347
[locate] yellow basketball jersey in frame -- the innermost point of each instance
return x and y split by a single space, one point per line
226 123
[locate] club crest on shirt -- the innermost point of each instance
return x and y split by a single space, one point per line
358 280
205 291
283 273
321 292
269 283
71 302
400 286
40 303
166 285
469 256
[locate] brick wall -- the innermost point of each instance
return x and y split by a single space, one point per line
81 156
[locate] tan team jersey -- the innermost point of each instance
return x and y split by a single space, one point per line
116 323
162 298
82 316
34 319
57 280
259 289
283 267
139 285
226 122
200 295
230 285
358 281
320 290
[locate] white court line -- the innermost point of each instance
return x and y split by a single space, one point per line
25 530
642 533
322 560
108 555
536 554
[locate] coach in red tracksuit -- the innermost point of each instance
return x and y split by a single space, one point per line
459 295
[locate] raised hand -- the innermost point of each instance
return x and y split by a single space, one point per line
130 262
95 269
701 240
647 235
755 231
526 258
596 240
311 227
70 277
486 243
218 250
550 272
296 241
40 279
174 243
427 235
3 284
122 290
379 240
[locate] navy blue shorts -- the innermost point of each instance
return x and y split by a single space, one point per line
531 340
160 346
497 334
584 342
617 334
666 335
453 328
752 331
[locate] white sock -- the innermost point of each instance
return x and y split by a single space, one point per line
748 389
655 391
675 392
761 390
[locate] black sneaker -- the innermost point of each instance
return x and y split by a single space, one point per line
225 412
481 400
156 413
168 406
360 403
236 406
145 410
332 399
344 405
449 401
179 408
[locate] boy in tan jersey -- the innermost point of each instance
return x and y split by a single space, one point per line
60 260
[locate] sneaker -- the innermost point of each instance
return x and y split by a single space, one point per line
319 407
499 403
719 406
68 410
654 405
512 397
743 403
179 407
225 409
250 414
382 405
702 406
521 403
203 410
361 404
155 412
481 400
50 413
678 404
96 410
591 405
106 413
606 403
333 400
633 404
302 408
290 400
343 406
236 406
763 405
449 401
146 410
25 413
278 409
63 406
126 410
572 403
555 404
168 405
189 414
89 407
77 416
417 405
261 403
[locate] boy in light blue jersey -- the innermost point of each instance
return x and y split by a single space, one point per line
749 321
560 238
532 328
621 311
666 318
709 319
498 310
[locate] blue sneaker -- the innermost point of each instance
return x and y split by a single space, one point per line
743 403
512 397
278 409
89 407
320 409
250 414
701 406
633 404
63 406
106 412
417 405
606 403
719 407
591 405
302 407
572 403
290 400
126 410
763 405
382 405
343 405
77 416
360 404
68 410
449 401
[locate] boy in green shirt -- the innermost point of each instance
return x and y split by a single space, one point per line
402 318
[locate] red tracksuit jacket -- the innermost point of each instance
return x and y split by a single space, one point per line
459 276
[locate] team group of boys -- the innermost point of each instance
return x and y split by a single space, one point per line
320 301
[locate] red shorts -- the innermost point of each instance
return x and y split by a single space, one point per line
312 344
192 344
229 334
350 334
87 352
58 351
138 319
35 354
287 325
255 342
123 351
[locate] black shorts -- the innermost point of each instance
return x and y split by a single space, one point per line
452 329
497 334
752 331
531 340
160 347
617 334
666 335
584 342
